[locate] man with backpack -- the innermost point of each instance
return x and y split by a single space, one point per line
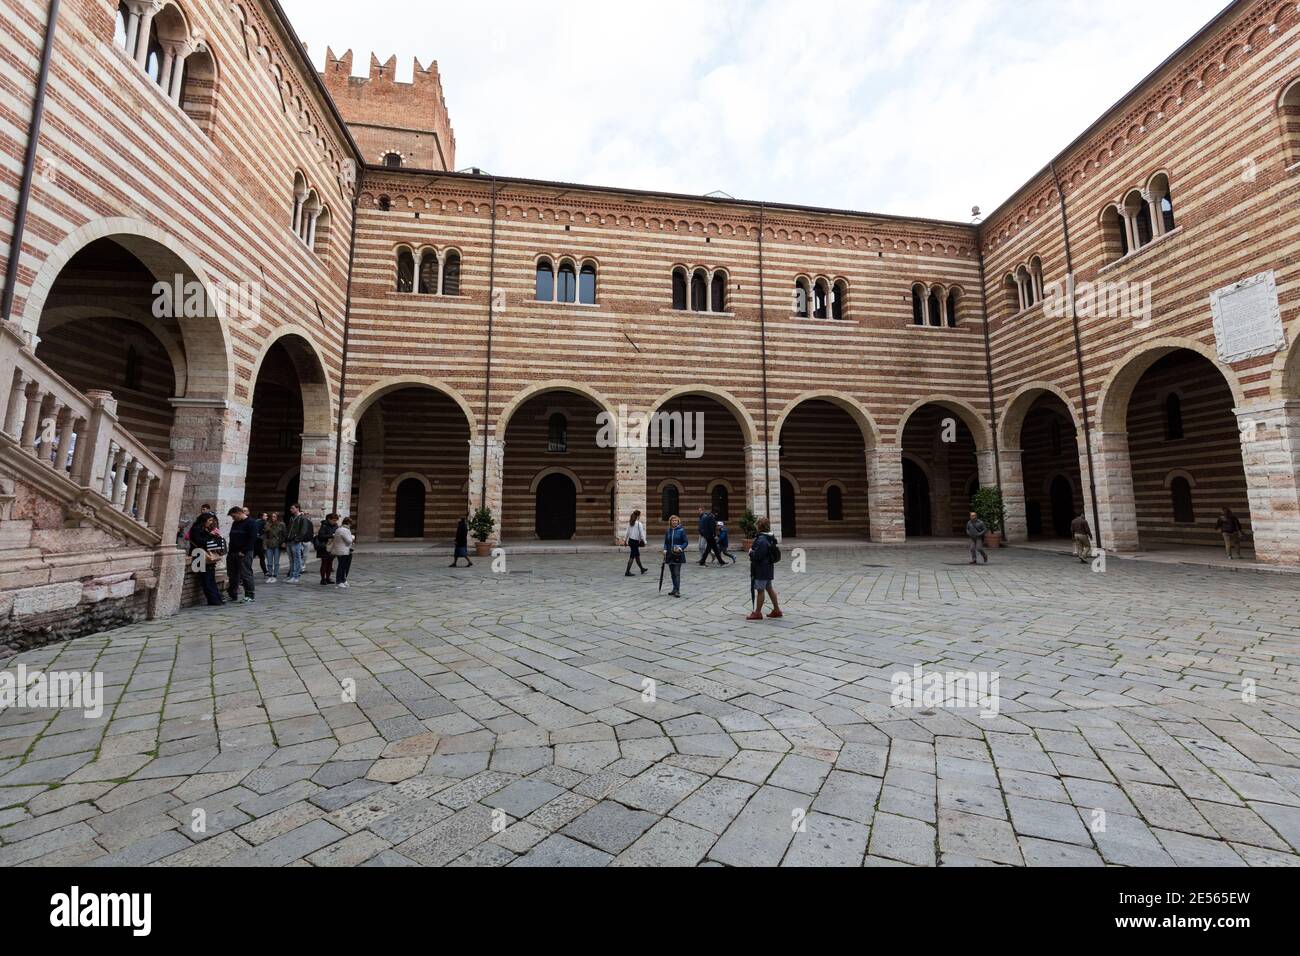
301 532
709 532
764 556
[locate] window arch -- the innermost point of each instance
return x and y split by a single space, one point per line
679 289
834 503
700 291
405 270
1173 417
557 434
566 283
299 199
545 280
1289 115
195 88
802 297
839 299
122 27
720 502
954 297
587 283
933 310
718 292
322 232
1161 203
821 299
1180 495
393 160
310 218
451 273
1138 213
669 501
429 266
918 304
1114 233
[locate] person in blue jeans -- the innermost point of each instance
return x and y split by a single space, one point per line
675 545
300 533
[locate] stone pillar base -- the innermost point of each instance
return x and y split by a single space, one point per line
885 494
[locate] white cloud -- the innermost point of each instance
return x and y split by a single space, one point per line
922 107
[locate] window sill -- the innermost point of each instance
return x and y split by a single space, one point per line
426 295
567 305
720 315
1025 313
1137 253
814 320
126 61
934 328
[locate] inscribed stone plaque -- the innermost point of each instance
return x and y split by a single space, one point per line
1248 319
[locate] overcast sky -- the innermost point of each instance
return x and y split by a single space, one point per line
918 107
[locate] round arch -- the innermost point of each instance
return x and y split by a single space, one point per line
794 482
749 431
856 410
207 339
1116 392
407 476
532 391
356 411
313 378
555 470
681 489
1017 409
57 316
1284 383
972 419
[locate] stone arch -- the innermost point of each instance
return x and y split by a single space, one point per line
555 470
856 410
1020 404
57 316
376 390
794 482
206 339
971 418
1179 473
313 377
532 391
1117 391
407 476
1284 383
748 429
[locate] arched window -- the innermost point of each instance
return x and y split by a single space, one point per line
918 305
953 296
557 435
322 232
699 291
1173 417
451 273
839 297
393 160
196 88
587 284
121 26
721 501
1180 494
1114 232
1289 110
299 200
1036 278
834 503
1011 289
429 272
679 289
719 290
545 281
1162 204
1138 214
1025 283
154 58
669 501
385 203
405 270
566 283
936 315
802 298
821 300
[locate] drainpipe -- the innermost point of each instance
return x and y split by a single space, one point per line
1078 359
29 167
762 326
343 371
988 371
491 316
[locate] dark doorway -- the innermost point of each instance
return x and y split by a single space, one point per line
721 502
557 508
408 522
1034 518
1062 506
290 498
916 501
789 513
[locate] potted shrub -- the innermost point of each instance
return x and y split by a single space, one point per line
748 529
987 504
481 526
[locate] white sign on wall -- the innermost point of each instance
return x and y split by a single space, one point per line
1248 319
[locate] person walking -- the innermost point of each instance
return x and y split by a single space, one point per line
635 539
273 539
259 543
1082 532
340 546
327 529
239 563
709 532
1229 525
675 545
301 531
462 544
763 558
976 530
724 541
206 542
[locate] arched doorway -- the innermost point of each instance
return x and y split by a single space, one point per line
916 501
1063 506
824 446
789 509
408 520
938 438
556 510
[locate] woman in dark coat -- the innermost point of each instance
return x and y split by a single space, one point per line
462 544
762 570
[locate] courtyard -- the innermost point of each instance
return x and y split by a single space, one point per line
562 714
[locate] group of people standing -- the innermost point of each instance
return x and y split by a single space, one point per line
266 538
764 555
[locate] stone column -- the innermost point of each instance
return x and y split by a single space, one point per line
496 452
1013 493
1270 452
1115 502
763 471
370 486
316 476
170 562
347 461
885 494
941 491
629 488
210 438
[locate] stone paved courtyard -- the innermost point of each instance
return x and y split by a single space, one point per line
503 720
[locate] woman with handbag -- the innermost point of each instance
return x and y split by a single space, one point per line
675 545
635 539
209 547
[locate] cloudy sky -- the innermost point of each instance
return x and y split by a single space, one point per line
921 107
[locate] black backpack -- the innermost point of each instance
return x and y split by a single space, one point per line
774 550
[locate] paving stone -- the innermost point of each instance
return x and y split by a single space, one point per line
668 843
288 847
763 830
828 841
849 795
559 850
610 826
523 797
659 789
903 838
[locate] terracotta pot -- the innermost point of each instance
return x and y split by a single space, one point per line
992 539
746 544
482 549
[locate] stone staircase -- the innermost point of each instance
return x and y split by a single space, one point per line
88 515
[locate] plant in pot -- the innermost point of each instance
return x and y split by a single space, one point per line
987 505
481 526
748 529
